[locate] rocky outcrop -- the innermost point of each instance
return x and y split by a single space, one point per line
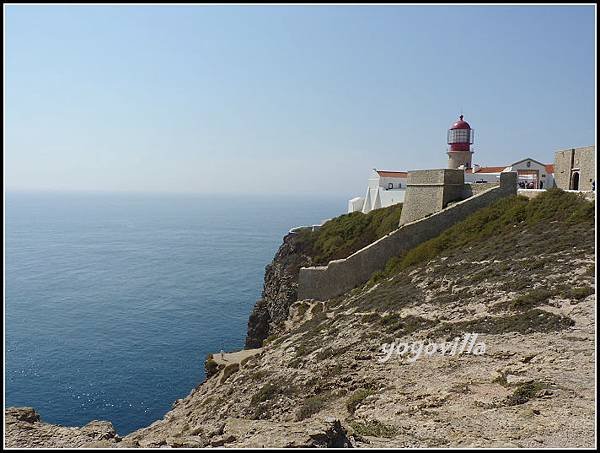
25 429
279 291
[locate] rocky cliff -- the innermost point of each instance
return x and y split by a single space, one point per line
520 274
338 238
279 291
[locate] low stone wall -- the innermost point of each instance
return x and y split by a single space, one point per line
532 193
475 188
340 276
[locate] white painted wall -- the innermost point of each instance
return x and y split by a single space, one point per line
356 204
378 195
482 177
390 197
545 177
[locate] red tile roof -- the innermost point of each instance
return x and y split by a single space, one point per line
392 174
549 169
486 170
490 169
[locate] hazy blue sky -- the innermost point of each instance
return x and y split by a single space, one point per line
291 99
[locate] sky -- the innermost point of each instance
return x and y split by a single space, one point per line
285 99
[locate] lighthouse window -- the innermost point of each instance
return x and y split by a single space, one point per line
459 136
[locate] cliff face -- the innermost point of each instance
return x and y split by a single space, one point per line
337 238
279 291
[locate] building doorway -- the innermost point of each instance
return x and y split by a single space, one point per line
528 179
575 181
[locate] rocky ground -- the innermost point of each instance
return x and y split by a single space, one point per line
23 428
528 292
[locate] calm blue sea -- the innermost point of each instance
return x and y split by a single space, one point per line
113 301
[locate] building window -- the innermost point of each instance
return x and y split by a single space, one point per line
390 185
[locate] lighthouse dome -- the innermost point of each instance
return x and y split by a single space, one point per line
460 124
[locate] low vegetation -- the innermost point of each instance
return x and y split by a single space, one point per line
505 217
530 321
211 367
311 406
357 398
340 237
525 392
373 428
261 402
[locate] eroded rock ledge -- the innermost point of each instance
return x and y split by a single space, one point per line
25 429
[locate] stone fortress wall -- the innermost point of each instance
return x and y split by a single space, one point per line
340 276
575 160
429 191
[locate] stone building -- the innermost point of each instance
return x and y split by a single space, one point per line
575 168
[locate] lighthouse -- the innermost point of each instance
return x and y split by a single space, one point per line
460 139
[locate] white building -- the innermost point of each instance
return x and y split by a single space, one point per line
531 174
384 188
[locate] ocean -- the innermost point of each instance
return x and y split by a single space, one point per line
112 301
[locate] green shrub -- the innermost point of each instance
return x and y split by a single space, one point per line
373 428
211 367
270 391
534 320
357 398
371 318
262 401
408 324
265 393
376 278
579 293
271 338
524 393
529 300
311 406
